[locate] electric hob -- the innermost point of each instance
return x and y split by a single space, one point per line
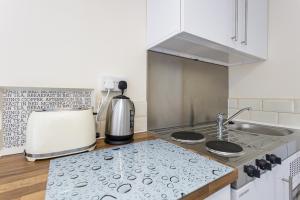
248 146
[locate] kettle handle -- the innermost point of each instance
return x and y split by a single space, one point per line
133 106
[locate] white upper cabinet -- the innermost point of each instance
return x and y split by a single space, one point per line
225 32
253 27
163 20
209 19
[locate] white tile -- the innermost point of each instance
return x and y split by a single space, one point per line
231 111
297 105
140 108
101 128
243 116
140 124
232 103
265 117
289 119
255 104
278 105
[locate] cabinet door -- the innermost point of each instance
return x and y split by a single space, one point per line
264 186
223 194
213 20
281 187
163 20
282 174
260 188
247 192
253 27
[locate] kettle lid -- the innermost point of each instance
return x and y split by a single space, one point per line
120 97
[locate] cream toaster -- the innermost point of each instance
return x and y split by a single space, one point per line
58 133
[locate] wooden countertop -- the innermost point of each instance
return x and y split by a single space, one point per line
20 179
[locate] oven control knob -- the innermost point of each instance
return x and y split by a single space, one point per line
263 164
273 159
252 171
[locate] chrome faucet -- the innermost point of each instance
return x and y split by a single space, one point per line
220 119
221 123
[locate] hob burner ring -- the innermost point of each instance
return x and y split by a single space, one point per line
224 148
188 137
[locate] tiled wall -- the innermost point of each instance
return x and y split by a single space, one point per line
18 103
283 112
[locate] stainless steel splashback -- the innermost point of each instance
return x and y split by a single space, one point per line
183 91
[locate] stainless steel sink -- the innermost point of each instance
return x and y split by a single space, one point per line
260 129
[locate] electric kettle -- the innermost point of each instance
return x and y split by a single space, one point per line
119 127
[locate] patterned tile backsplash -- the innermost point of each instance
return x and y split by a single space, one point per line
18 103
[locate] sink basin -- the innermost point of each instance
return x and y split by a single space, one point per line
260 129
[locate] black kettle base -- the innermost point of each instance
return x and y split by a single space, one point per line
117 140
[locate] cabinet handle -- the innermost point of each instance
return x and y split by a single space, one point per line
245 42
236 23
290 182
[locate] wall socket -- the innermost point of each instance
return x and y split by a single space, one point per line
109 82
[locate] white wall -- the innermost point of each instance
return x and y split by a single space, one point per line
69 43
275 83
278 77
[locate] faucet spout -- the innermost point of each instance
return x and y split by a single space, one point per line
236 114
221 123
